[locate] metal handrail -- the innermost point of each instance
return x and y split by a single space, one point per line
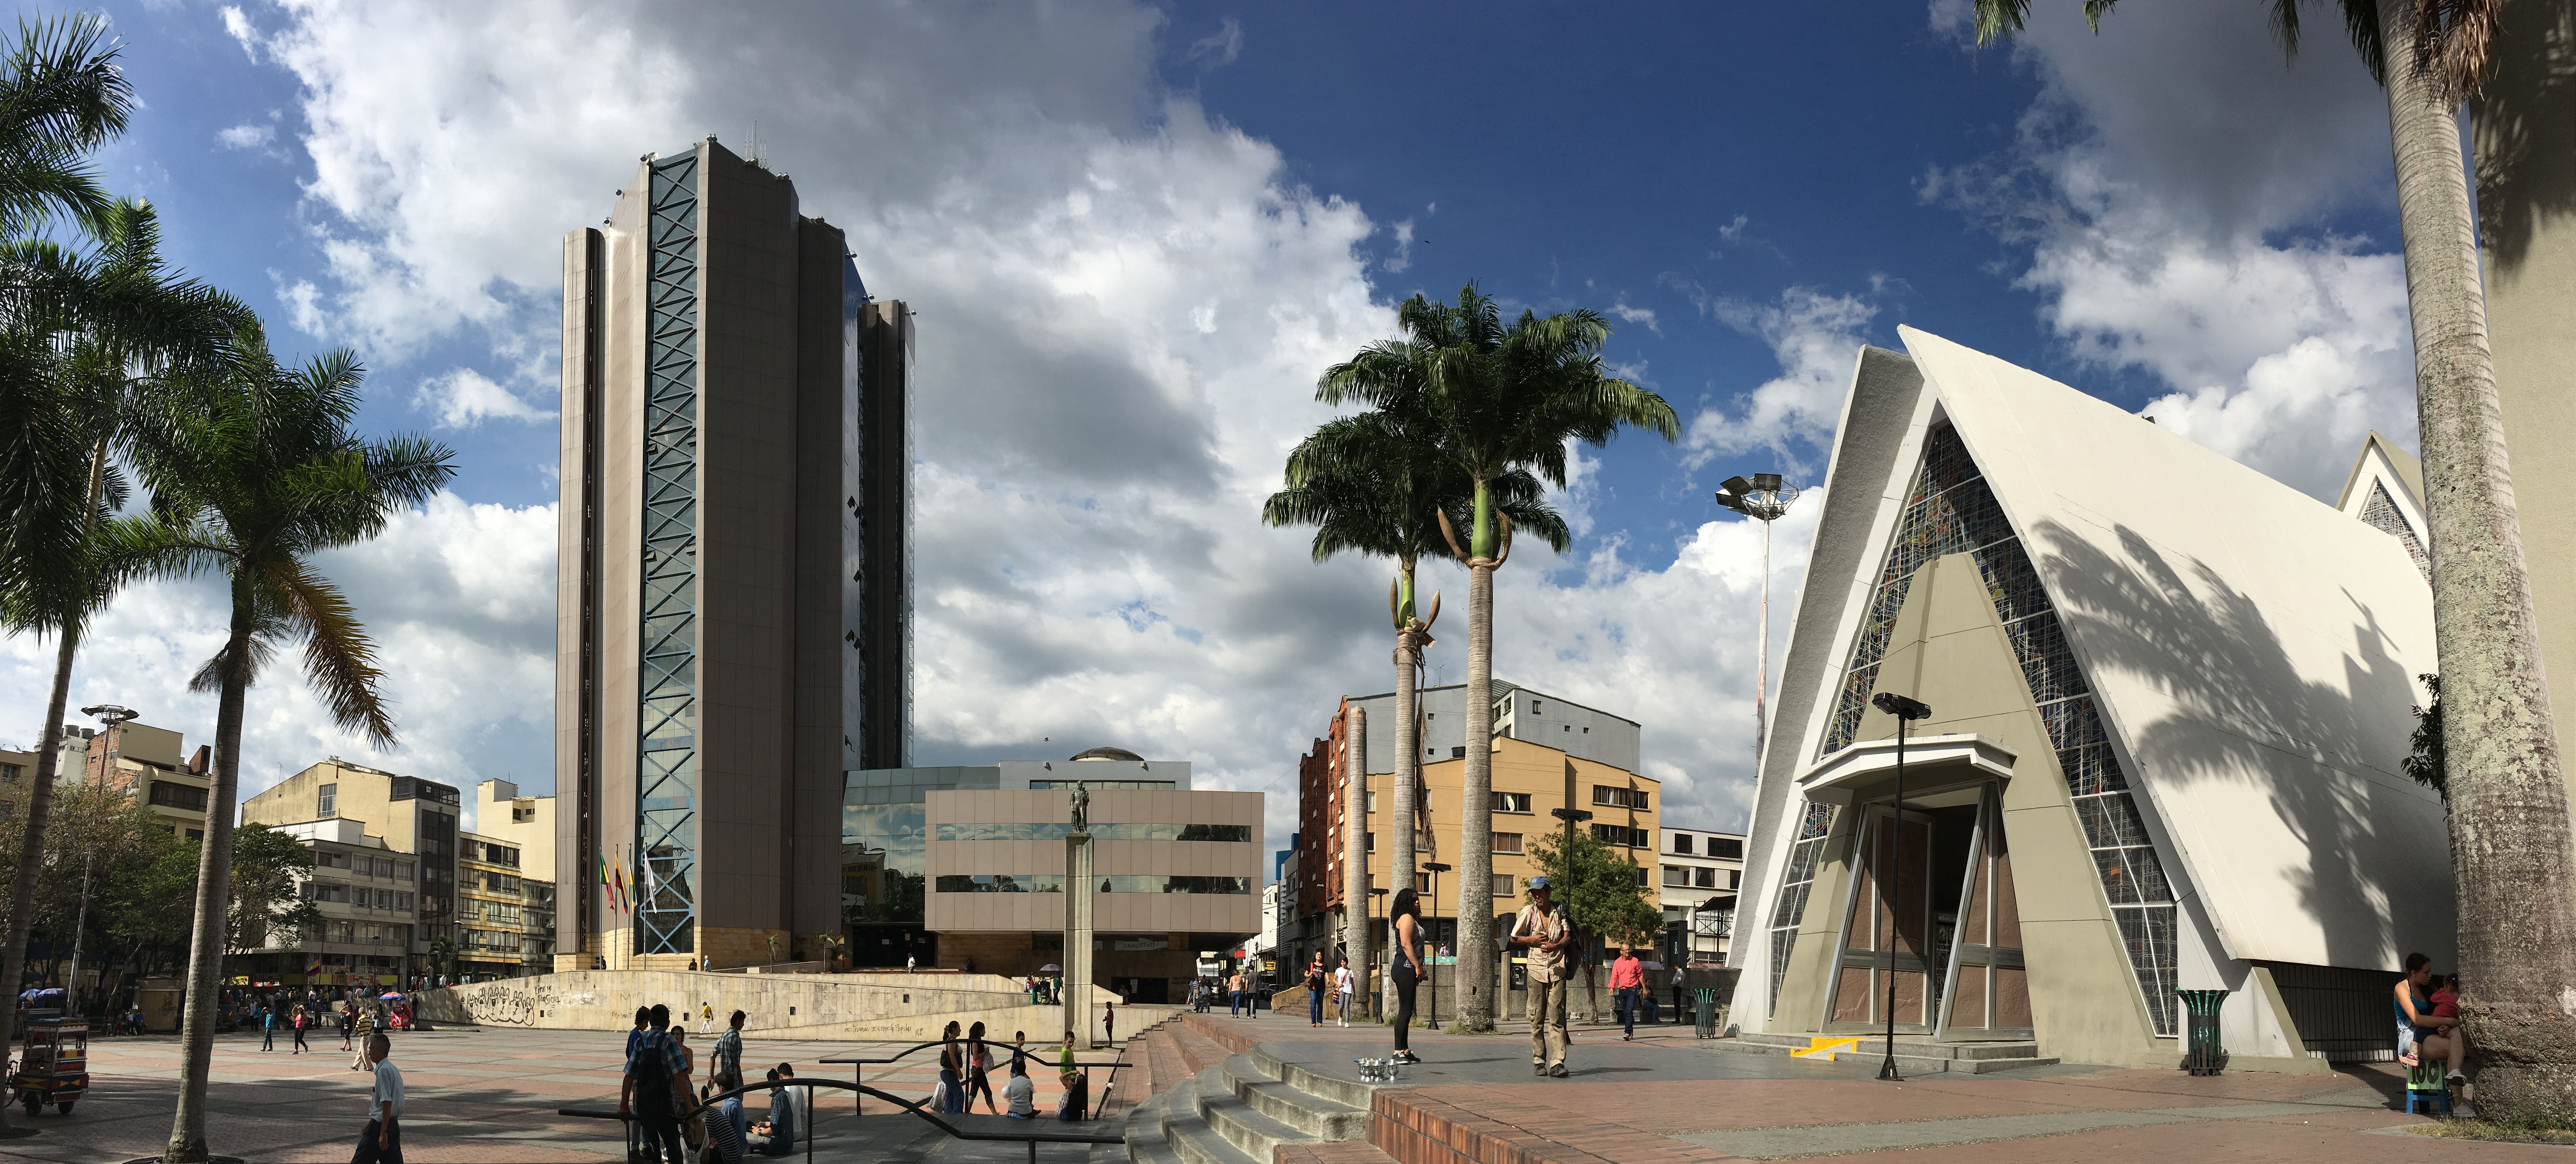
1032 1137
859 1065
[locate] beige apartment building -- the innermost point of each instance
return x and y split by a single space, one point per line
367 893
504 921
410 815
149 763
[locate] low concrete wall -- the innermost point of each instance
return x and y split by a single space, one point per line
810 1005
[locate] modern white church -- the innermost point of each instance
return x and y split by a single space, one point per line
2170 698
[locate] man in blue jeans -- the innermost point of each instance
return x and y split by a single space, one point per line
1315 991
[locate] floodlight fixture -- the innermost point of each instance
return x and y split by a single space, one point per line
110 714
1762 497
1900 707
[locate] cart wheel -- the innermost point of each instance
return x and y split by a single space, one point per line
33 1102
63 1108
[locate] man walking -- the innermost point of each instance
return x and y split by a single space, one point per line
1542 928
1234 995
381 1142
267 1028
727 1068
656 1086
1628 978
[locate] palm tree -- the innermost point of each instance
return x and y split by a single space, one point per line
1374 484
1500 399
2513 850
253 471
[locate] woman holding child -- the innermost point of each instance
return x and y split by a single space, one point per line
2428 1019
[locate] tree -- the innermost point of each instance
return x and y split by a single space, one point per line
1499 399
1375 484
2423 764
253 471
2513 846
1603 890
267 876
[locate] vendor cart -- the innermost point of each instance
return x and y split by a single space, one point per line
54 1067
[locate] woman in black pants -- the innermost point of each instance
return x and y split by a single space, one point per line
1407 967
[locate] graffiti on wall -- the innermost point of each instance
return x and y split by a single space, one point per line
505 1004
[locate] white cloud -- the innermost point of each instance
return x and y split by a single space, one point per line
1635 314
1815 337
1402 259
1220 48
1123 308
247 136
2172 234
463 398
237 26
460 601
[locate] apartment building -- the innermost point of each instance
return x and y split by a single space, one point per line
367 893
504 920
1698 873
149 763
409 815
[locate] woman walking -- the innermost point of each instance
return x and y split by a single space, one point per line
348 1022
1406 967
952 1072
979 1066
302 1020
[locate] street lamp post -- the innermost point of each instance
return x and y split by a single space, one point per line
115 718
1374 976
1435 869
1570 816
1764 499
1893 884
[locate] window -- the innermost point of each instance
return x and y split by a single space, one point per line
1610 834
1372 842
327 801
1707 878
1503 885
1372 802
344 931
1682 843
402 870
384 866
1641 877
178 796
12 771
1507 843
1677 875
1619 797
402 901
1734 878
1726 848
372 932
1511 802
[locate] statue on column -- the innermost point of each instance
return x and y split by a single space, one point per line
1081 808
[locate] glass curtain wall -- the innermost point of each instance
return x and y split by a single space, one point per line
666 775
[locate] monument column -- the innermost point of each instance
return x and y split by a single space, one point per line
1078 887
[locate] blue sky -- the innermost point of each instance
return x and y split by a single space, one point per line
1136 233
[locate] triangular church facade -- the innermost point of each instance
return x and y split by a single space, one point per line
2170 698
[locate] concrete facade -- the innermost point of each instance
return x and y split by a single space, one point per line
368 896
817 1006
2199 700
733 626
411 816
1699 872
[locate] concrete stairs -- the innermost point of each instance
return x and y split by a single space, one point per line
1914 1055
1213 1104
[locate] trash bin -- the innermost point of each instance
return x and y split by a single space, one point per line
1706 997
2202 1055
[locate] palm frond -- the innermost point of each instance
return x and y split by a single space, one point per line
339 658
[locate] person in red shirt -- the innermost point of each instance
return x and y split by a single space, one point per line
1628 977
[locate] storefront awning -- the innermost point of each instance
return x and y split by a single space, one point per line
1933 765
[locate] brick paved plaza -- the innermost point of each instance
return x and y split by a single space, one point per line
491 1094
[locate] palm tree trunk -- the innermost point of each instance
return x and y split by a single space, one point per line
1476 976
40 797
214 898
1408 764
1355 878
2511 848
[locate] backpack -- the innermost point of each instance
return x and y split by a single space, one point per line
652 1076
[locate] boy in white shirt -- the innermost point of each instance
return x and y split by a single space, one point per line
1344 985
381 1143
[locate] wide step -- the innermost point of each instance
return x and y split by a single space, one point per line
1192 1140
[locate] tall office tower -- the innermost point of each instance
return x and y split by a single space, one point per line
733 618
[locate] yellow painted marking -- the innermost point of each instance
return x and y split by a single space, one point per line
1824 1047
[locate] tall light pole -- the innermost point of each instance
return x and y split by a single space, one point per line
1893 883
115 718
1764 499
1570 816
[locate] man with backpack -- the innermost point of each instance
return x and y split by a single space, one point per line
656 1087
